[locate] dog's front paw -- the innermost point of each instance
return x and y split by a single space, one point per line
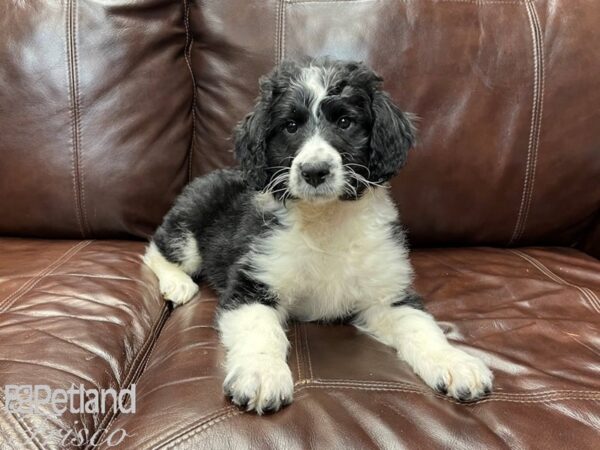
177 287
459 375
261 383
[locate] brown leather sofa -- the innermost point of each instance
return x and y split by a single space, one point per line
107 109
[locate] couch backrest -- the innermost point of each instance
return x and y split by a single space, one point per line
97 102
95 116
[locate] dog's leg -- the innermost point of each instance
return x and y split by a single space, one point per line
257 374
422 344
174 279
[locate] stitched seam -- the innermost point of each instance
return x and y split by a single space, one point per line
283 31
369 383
135 369
276 39
586 292
415 388
199 423
534 132
495 396
80 166
188 434
187 51
542 78
71 27
298 351
486 400
41 274
523 202
31 279
304 351
225 416
310 369
91 275
202 428
205 425
22 423
142 365
27 287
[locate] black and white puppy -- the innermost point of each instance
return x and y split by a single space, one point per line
307 230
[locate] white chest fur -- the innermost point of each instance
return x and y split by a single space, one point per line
332 259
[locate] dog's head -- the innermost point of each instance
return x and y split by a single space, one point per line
322 130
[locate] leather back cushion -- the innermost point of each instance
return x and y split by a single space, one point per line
507 92
97 101
95 116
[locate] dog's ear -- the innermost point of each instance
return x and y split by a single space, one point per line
251 139
393 134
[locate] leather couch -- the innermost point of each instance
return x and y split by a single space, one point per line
109 107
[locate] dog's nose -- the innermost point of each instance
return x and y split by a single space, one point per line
314 173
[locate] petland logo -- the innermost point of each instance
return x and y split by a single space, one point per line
44 401
39 399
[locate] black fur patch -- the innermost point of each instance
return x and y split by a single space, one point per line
218 209
243 289
411 299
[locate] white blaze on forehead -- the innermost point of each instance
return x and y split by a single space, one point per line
313 82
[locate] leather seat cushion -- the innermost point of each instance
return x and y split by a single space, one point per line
72 312
531 314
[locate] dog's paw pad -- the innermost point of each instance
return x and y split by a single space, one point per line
461 376
178 288
260 383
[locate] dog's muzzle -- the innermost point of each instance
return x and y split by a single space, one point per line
317 171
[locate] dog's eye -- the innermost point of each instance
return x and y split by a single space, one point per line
344 122
291 126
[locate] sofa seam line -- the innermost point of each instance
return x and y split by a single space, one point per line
302 352
187 51
146 348
199 430
80 165
308 357
31 279
297 350
199 423
228 413
478 402
276 38
529 145
283 30
74 113
141 367
22 423
231 411
202 428
66 256
589 295
415 388
542 77
68 13
530 163
9 301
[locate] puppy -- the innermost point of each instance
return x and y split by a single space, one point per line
306 230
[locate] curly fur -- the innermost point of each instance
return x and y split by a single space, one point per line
305 229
